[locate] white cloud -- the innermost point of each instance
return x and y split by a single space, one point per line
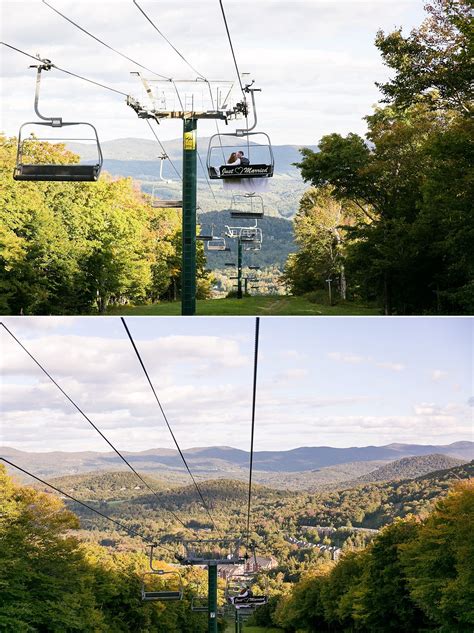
347 358
332 61
392 366
438 374
355 359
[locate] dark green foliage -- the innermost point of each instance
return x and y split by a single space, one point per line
50 582
415 576
437 56
76 248
413 176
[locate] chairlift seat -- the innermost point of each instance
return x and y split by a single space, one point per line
161 595
167 204
53 173
217 244
251 215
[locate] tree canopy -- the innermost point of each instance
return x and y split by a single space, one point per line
411 177
75 248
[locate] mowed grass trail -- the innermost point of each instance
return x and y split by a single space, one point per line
250 306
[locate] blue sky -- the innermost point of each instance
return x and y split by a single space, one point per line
315 60
324 381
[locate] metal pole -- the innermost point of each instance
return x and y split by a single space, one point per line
188 274
328 281
239 268
212 597
246 280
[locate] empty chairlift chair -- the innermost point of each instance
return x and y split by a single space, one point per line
200 604
217 244
247 205
156 201
172 579
30 167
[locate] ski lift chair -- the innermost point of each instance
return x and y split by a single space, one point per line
200 604
251 234
247 205
234 587
158 203
217 244
232 231
28 169
264 168
174 593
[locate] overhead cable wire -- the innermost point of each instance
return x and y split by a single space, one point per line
104 43
86 505
204 171
167 40
237 71
196 485
84 415
163 148
231 46
63 70
252 433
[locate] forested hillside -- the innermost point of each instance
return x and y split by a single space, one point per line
276 513
416 575
225 461
76 248
410 467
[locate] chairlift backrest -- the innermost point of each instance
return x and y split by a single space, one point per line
217 244
173 593
247 205
159 203
52 172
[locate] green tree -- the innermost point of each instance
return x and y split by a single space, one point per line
435 57
385 604
319 232
412 176
439 562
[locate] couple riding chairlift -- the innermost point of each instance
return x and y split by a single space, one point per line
237 158
243 596
250 185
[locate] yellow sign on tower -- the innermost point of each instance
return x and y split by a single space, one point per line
190 140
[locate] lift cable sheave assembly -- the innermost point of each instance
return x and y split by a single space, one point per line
158 401
84 415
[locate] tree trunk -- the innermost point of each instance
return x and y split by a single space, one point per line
343 283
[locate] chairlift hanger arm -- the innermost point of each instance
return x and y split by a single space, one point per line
46 65
252 91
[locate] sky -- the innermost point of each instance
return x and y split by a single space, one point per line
321 381
314 60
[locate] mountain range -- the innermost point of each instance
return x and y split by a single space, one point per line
300 468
